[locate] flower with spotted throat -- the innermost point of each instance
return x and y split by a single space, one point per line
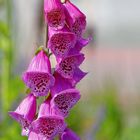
25 113
38 76
48 125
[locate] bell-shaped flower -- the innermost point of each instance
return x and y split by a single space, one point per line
38 76
54 13
25 113
68 134
66 67
48 125
76 20
60 42
62 102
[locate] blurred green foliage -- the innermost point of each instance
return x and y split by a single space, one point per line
10 85
98 116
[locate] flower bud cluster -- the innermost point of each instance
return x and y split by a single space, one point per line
66 24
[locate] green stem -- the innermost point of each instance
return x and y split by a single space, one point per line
47 36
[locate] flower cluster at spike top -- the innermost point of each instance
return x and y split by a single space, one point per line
66 24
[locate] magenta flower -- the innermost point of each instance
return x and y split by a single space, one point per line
60 42
48 125
25 113
76 20
38 75
54 13
62 102
66 67
68 134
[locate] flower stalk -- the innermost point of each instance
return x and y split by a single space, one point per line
65 24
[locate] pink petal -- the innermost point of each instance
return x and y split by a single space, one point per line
61 42
49 126
38 82
78 76
64 101
40 63
75 18
67 66
44 109
25 112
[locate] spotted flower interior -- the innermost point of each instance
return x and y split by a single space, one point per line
39 82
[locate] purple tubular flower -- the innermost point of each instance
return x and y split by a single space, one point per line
60 42
68 134
64 101
67 66
54 13
38 76
76 20
48 125
25 113
60 84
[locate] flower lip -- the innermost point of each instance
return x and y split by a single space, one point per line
24 122
64 101
79 45
48 126
67 65
39 82
61 42
78 76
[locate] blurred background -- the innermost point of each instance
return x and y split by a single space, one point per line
109 107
